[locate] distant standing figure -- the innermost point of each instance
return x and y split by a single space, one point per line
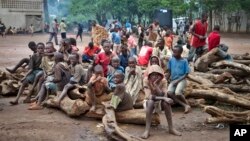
62 28
79 31
31 29
53 29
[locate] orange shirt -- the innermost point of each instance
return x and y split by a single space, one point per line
90 52
168 42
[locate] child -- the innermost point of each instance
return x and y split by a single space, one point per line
178 69
155 88
141 37
53 83
34 68
133 79
115 66
145 53
154 60
161 51
121 100
131 44
124 56
89 52
78 76
97 87
168 40
105 57
116 39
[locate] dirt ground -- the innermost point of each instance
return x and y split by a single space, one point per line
19 124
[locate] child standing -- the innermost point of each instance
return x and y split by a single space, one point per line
133 79
34 66
178 69
155 88
116 39
124 56
131 44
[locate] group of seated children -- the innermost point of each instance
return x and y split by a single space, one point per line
115 77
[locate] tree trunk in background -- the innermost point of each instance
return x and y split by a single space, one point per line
46 11
210 20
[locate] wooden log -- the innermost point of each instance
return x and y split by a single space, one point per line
3 76
245 56
232 64
202 63
213 77
196 102
113 130
200 80
234 72
235 88
216 94
72 108
9 87
222 116
245 62
79 92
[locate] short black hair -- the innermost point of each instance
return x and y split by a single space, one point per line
179 47
40 43
132 58
204 14
32 44
217 28
72 41
120 73
97 68
91 44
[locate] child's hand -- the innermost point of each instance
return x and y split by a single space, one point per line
132 71
175 82
168 100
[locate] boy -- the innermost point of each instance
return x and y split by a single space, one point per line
53 83
145 53
97 86
124 56
121 100
34 68
178 69
214 41
133 79
105 57
89 52
115 66
78 76
131 44
32 46
155 88
116 39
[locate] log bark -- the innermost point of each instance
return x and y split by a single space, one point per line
216 94
235 88
245 62
222 116
213 77
232 64
9 87
113 130
196 102
234 72
202 63
2 76
200 80
245 56
79 92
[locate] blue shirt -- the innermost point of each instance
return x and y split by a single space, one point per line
128 25
116 38
124 60
178 68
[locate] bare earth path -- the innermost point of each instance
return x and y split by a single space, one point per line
19 124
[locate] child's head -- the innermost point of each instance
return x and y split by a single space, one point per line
168 33
118 77
179 41
204 17
155 73
74 59
94 23
40 48
148 43
124 49
49 47
98 71
106 46
132 62
58 57
91 44
160 43
154 60
72 41
32 46
127 35
216 28
177 51
115 62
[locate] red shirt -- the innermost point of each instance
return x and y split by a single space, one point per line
144 55
104 61
90 52
213 40
200 29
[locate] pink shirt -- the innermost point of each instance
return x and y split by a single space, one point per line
144 55
131 42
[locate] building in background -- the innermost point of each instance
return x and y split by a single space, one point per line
22 13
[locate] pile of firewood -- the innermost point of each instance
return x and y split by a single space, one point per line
225 82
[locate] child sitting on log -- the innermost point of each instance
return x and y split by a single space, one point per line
155 88
89 52
178 68
121 100
34 68
124 56
78 77
97 88
115 66
133 79
53 83
32 47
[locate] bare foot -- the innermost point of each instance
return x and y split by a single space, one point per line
13 102
187 109
92 109
145 135
33 103
175 132
35 107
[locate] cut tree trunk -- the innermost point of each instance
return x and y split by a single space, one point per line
245 62
78 92
213 77
232 64
241 56
202 63
222 116
200 80
234 72
235 88
9 87
113 130
216 94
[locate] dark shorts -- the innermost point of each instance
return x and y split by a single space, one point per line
31 77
